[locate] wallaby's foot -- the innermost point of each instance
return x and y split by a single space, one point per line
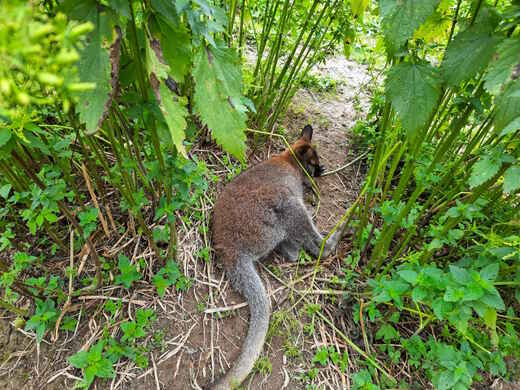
289 250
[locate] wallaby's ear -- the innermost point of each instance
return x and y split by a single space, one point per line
307 133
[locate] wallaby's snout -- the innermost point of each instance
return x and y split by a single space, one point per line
318 171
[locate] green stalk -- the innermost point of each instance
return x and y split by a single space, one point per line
393 167
241 31
138 214
303 29
13 309
263 106
268 18
231 21
289 81
281 107
137 54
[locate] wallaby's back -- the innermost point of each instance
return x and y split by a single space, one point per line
244 229
258 211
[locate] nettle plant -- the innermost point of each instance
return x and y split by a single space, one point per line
437 221
101 103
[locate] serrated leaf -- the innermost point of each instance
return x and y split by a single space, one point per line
502 67
472 292
493 299
403 17
419 293
507 106
213 92
387 332
414 90
513 126
460 275
512 179
128 272
5 136
94 67
358 7
467 54
174 113
154 65
409 275
483 170
176 48
435 29
4 190
79 359
453 294
490 272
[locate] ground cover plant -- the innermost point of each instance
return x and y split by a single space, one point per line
109 115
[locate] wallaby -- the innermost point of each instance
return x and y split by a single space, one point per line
260 211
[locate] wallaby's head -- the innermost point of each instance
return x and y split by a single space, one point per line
306 153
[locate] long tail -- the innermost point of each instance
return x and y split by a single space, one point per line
245 280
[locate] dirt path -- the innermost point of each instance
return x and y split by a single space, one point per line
196 345
332 116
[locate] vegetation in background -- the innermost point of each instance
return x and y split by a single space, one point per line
99 114
437 226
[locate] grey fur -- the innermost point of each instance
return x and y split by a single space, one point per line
260 211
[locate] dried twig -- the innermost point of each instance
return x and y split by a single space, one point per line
344 166
94 199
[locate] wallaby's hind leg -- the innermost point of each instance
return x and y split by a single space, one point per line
303 232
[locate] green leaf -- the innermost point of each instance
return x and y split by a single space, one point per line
174 112
167 10
501 68
388 333
467 54
409 275
172 271
216 96
402 18
512 179
79 359
472 292
176 48
493 299
460 275
419 294
4 190
128 271
453 294
386 7
160 284
414 90
507 106
358 7
490 272
483 170
5 136
94 67
321 356
153 64
513 126
445 380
